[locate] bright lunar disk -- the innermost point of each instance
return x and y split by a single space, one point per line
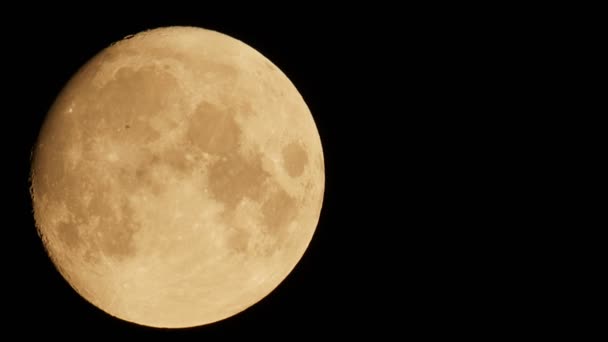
178 178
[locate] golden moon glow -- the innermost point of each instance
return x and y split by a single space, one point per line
178 178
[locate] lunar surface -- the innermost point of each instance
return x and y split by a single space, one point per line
178 178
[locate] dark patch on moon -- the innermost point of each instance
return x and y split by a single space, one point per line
213 130
133 96
113 234
232 180
128 102
117 227
295 159
176 159
235 177
144 175
68 233
278 210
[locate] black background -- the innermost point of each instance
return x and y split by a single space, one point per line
359 74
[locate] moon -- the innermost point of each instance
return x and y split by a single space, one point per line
178 178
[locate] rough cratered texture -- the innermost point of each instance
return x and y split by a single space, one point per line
178 178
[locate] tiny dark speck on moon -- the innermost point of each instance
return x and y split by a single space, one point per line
127 126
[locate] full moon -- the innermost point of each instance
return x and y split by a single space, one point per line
178 178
